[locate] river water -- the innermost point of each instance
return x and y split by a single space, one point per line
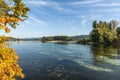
51 61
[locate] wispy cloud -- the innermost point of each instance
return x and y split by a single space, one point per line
33 19
54 5
108 10
51 4
37 20
105 4
40 3
38 11
86 19
86 2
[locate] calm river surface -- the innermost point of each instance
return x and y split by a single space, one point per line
51 61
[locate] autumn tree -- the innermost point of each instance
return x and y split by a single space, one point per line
11 13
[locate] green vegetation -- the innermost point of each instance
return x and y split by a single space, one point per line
11 13
83 41
104 32
56 38
118 31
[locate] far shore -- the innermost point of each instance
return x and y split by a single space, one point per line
59 41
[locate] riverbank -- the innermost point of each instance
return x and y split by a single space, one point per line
63 42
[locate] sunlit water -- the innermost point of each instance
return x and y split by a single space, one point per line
51 61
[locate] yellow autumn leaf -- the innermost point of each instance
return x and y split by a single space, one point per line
1 26
7 30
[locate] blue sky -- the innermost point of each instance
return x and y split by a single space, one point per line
64 17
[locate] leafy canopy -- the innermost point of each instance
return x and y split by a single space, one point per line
104 32
11 12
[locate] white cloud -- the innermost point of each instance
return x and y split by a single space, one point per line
37 20
51 4
32 19
106 4
40 3
39 11
86 2
86 19
46 3
108 10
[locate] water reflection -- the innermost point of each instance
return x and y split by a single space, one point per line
109 54
49 61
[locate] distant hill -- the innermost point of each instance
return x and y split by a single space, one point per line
80 37
77 37
23 39
30 39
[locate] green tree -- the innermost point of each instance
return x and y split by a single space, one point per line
114 25
94 24
102 33
118 31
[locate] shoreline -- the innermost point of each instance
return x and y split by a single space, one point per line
67 42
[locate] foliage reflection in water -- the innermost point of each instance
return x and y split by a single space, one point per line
49 61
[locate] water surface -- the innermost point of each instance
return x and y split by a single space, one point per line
51 61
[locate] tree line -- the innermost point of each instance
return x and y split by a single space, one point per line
54 38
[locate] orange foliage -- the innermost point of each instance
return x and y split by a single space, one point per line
5 20
9 68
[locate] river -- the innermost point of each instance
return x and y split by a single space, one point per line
51 61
